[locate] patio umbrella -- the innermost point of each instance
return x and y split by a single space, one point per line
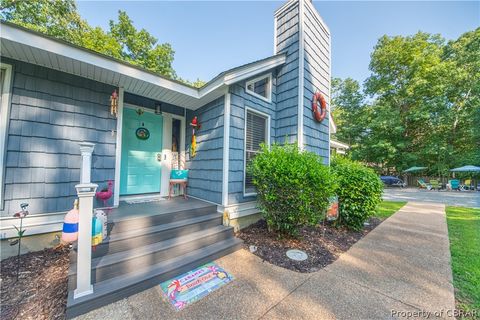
414 169
466 169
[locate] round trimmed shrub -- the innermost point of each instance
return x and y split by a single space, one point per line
359 192
293 187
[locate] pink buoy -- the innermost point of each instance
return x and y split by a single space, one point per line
70 224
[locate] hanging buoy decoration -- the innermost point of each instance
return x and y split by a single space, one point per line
193 146
70 224
97 231
319 115
102 216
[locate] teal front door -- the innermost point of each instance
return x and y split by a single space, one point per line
141 165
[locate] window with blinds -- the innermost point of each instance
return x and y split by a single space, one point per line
256 133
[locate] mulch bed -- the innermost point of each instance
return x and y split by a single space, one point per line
321 250
41 290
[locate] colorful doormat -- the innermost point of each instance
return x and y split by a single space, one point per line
194 285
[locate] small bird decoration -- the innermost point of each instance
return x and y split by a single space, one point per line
106 193
193 147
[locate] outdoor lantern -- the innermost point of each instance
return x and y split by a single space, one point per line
114 103
158 108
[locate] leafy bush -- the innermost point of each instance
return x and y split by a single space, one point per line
359 192
293 187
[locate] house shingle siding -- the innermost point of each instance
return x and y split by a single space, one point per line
316 78
51 113
205 175
239 101
287 78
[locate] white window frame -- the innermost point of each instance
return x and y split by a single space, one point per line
268 131
268 98
4 120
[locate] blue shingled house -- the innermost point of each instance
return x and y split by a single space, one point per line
56 95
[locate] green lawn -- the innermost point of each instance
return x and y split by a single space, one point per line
387 208
464 233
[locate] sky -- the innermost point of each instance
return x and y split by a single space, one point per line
212 36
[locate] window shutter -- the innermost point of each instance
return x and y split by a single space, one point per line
256 134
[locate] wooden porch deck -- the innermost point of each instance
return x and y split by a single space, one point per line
164 206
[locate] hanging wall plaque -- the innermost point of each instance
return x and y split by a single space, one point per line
142 133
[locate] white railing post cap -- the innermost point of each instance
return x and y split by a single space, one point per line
84 189
87 147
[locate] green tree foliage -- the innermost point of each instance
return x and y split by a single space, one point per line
293 187
60 19
423 104
348 103
139 47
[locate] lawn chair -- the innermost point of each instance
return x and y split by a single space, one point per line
467 185
435 184
454 184
179 177
423 185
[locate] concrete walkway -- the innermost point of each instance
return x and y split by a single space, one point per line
401 266
469 199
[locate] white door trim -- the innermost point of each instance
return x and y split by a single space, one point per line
118 150
166 141
4 120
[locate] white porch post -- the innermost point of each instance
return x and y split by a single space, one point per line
118 151
86 149
86 192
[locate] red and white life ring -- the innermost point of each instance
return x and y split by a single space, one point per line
319 115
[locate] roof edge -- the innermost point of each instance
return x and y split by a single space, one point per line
224 78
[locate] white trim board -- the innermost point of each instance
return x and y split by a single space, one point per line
34 224
118 150
239 210
4 120
226 148
268 98
301 71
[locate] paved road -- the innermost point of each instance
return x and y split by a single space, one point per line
451 198
401 266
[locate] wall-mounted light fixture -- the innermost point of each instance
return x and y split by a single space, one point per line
158 108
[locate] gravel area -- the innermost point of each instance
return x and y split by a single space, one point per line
41 290
321 250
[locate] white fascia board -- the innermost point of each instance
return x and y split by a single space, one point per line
252 71
242 74
31 39
338 144
84 55
332 123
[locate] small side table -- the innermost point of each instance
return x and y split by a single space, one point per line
182 183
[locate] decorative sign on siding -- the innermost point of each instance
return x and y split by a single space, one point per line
194 285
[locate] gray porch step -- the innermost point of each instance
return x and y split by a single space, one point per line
133 218
123 262
119 287
121 241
